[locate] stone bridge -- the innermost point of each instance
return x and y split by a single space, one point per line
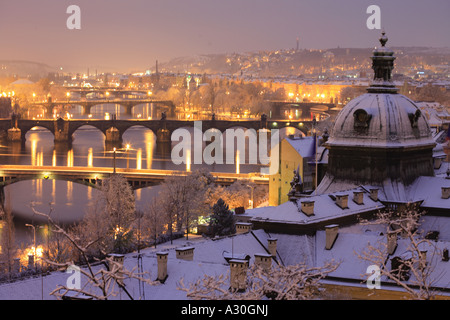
127 104
16 129
298 109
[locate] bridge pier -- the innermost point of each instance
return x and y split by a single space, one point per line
163 142
62 131
163 136
113 135
128 109
14 134
86 109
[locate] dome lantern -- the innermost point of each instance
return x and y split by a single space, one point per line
382 64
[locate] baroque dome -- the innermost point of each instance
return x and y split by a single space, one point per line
379 138
386 120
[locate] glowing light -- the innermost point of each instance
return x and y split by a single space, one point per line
33 152
70 158
188 160
54 158
139 159
90 158
238 162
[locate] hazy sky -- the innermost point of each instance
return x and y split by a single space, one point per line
130 35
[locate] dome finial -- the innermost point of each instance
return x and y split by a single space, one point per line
382 64
383 39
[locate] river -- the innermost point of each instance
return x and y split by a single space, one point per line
69 201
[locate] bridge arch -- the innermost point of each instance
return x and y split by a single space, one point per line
154 110
39 128
291 130
126 131
102 108
78 131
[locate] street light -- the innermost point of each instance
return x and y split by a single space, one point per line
34 236
114 159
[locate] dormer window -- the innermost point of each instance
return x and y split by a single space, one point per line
362 119
414 118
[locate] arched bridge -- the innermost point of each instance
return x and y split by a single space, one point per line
297 110
63 129
87 104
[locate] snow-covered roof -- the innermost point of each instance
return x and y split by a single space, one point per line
303 145
210 259
325 208
429 189
426 189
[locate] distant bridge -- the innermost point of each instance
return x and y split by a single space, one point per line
93 176
86 105
298 109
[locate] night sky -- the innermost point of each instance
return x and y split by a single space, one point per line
130 35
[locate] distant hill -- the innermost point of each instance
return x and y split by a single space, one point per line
24 69
303 62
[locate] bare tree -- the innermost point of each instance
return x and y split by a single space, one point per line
294 282
183 198
152 221
103 280
412 269
8 244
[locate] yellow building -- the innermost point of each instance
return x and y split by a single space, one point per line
295 153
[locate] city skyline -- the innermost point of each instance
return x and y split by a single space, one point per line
129 37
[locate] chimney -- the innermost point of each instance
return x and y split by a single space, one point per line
30 261
308 208
423 259
331 233
243 227
161 258
116 260
238 274
119 258
437 163
391 241
185 253
264 260
445 256
342 201
374 194
272 245
358 197
445 192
